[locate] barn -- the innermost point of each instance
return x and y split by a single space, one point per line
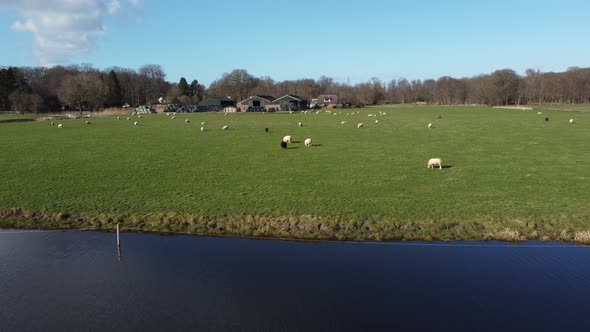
255 103
291 103
217 103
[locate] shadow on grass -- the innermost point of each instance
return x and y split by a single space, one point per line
317 145
16 120
293 147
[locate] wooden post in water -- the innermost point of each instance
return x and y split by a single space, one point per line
118 240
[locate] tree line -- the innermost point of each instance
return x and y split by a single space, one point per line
85 88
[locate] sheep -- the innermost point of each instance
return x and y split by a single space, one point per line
174 113
118 118
225 127
439 116
546 119
139 116
300 124
571 121
60 125
167 113
435 162
187 121
537 112
291 112
53 123
202 128
343 122
287 139
203 123
360 125
128 118
87 122
283 144
173 118
429 125
376 121
308 142
266 130
136 123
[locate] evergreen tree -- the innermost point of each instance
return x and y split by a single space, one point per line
114 96
183 87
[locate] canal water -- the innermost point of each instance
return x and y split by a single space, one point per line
74 281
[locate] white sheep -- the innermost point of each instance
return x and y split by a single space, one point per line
136 123
128 118
376 121
187 121
87 122
571 121
202 128
308 142
287 139
435 162
60 125
300 124
360 125
537 112
343 122
53 123
167 113
174 113
173 117
225 128
203 123
139 116
429 125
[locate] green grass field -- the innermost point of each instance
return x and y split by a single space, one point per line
508 174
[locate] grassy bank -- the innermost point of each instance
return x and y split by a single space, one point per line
510 175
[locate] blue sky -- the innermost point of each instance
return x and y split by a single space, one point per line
301 39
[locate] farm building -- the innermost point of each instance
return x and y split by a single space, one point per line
255 104
217 103
291 102
327 99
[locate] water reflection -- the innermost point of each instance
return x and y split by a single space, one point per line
74 281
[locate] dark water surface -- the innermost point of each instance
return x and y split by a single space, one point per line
73 281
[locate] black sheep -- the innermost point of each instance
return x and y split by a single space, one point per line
283 144
266 130
547 119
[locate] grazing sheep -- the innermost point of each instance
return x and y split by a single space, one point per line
287 139
435 162
53 123
174 113
308 142
343 122
167 113
439 116
283 144
571 121
360 125
300 124
225 114
266 130
429 125
118 118
547 119
139 116
203 123
60 125
202 128
225 128
537 112
136 123
187 121
87 122
376 121
291 112
128 118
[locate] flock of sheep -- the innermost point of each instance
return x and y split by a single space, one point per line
432 163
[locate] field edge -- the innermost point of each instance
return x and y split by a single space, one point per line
307 227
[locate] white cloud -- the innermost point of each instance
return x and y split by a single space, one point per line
64 28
